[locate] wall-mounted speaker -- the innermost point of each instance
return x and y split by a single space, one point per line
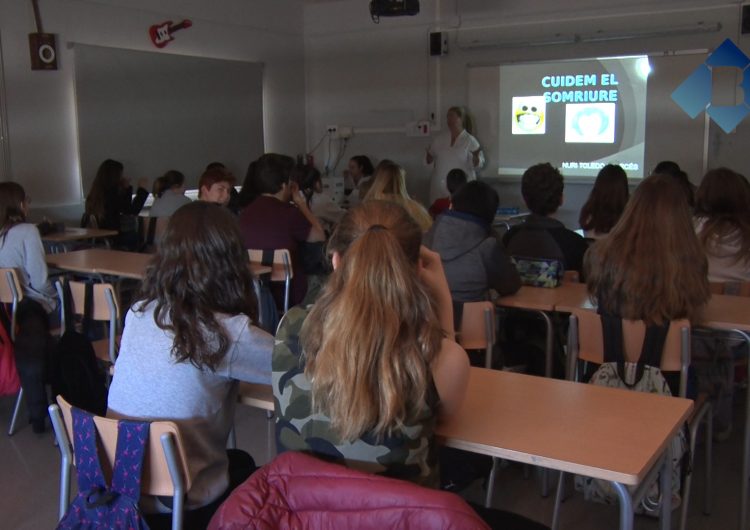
746 19
43 51
438 43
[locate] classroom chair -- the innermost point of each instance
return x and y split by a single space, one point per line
730 288
280 262
155 227
477 329
165 469
105 308
477 332
586 343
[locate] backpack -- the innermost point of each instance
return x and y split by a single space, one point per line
10 384
76 374
642 376
539 272
98 505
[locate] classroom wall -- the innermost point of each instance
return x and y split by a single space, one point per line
380 76
40 110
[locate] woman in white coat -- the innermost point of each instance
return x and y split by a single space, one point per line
455 148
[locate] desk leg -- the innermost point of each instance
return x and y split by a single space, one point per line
626 506
745 448
665 521
548 346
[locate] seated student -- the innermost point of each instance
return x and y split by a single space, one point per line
454 180
606 202
249 191
651 266
474 259
722 221
320 202
110 203
358 179
672 169
21 249
188 339
272 221
542 236
379 363
362 376
234 196
215 186
389 184
169 194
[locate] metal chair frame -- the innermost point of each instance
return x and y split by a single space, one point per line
704 412
172 458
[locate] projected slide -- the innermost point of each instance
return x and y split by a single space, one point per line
578 115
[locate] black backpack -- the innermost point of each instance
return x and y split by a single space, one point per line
76 374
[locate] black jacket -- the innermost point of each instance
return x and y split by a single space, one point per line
544 237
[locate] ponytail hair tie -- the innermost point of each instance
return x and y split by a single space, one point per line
376 228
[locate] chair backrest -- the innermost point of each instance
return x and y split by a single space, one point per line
731 288
586 342
89 221
10 287
280 262
155 227
156 478
477 330
105 307
11 293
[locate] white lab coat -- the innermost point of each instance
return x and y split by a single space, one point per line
447 157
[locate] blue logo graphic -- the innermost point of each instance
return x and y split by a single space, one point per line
694 94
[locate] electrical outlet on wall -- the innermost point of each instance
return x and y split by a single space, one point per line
419 128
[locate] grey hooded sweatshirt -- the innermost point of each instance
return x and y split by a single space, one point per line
474 260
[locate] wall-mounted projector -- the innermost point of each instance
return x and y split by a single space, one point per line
392 8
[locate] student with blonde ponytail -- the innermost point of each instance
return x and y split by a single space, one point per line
362 376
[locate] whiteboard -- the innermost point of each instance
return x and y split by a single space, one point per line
156 111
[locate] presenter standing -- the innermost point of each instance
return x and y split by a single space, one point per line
455 148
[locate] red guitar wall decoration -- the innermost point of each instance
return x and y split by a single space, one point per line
162 33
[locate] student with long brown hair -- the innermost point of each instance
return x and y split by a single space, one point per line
188 339
362 376
722 222
606 202
651 266
21 249
110 203
389 184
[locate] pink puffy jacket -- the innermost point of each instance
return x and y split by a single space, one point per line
301 492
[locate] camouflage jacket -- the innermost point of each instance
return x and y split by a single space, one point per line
409 454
